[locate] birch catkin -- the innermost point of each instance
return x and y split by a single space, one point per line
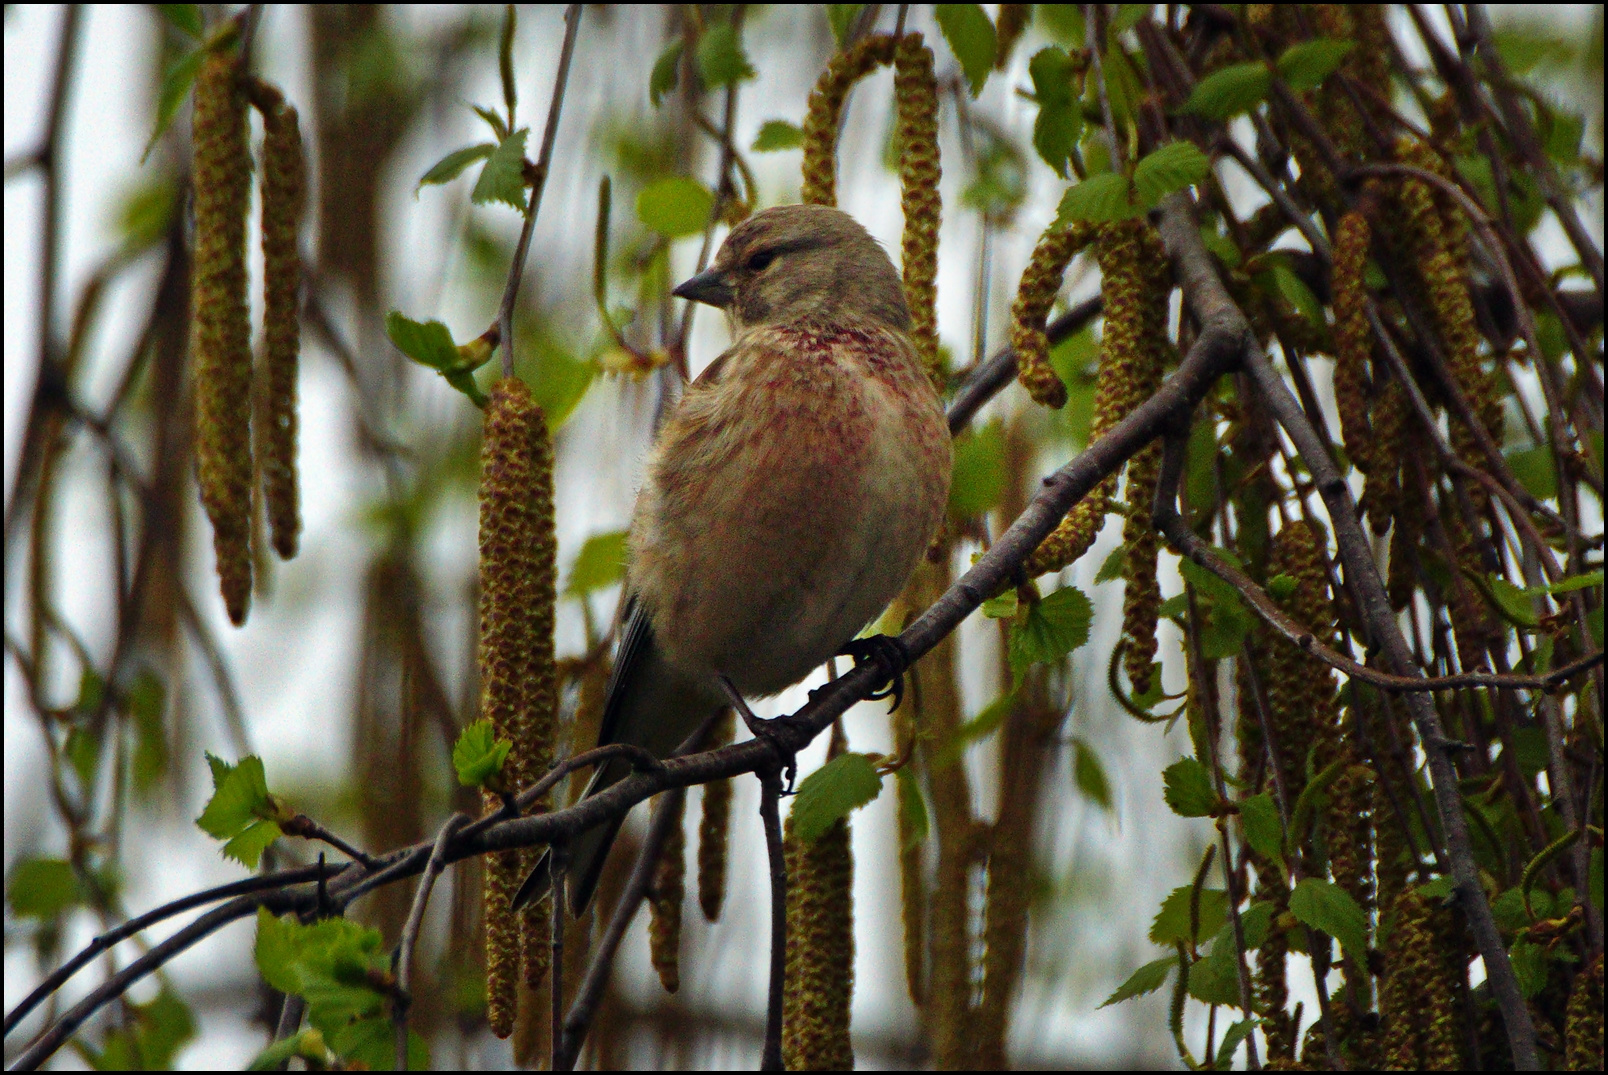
220 333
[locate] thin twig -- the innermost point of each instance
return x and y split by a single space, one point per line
990 378
308 829
538 183
403 999
770 782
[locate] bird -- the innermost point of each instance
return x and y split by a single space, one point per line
787 500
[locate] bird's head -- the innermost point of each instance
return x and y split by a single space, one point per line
801 263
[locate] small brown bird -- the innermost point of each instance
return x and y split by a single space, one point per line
788 498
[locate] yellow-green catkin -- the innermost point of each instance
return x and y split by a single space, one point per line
220 335
1417 1011
284 197
1270 989
820 951
1127 376
916 94
669 892
825 108
1300 689
1041 281
517 688
1353 339
912 863
1583 1023
713 829
1437 237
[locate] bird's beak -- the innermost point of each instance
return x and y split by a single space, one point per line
708 287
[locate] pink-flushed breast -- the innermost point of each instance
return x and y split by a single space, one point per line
787 501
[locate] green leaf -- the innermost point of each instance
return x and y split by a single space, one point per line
371 1044
827 795
427 343
1147 979
1215 979
146 213
162 1026
1002 607
1174 166
599 564
1171 923
1306 65
1054 627
492 120
666 72
1055 132
721 61
776 135
1089 775
145 702
83 749
336 965
1259 817
1326 906
1063 23
912 807
1098 199
478 754
41 888
1529 967
1220 245
1511 601
1594 876
309 1044
1233 1038
981 726
239 797
1051 71
248 845
1226 93
1562 134
971 38
452 165
175 87
1127 17
185 18
558 380
1111 568
1295 292
1282 586
1533 468
675 207
978 479
1189 789
503 177
841 17
1590 580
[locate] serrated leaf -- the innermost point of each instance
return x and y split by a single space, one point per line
248 845
1306 65
827 795
503 177
1233 1037
1189 788
1174 166
479 754
1326 906
1054 627
912 807
1055 132
1111 568
1533 467
1226 93
41 888
1511 601
1147 979
185 18
175 87
971 38
599 564
1171 923
1587 581
238 800
1259 817
1051 71
666 72
1002 607
452 165
1529 966
1089 775
675 207
426 342
978 477
1215 979
776 135
721 60
1099 199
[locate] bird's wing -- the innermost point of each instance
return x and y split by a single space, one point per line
636 642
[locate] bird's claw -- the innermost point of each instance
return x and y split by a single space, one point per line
890 657
760 728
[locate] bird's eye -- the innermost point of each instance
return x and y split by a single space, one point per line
761 261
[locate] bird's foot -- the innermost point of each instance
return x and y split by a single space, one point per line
764 730
890 657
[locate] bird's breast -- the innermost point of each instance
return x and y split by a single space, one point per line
787 503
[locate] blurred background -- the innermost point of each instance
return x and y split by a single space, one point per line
356 668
